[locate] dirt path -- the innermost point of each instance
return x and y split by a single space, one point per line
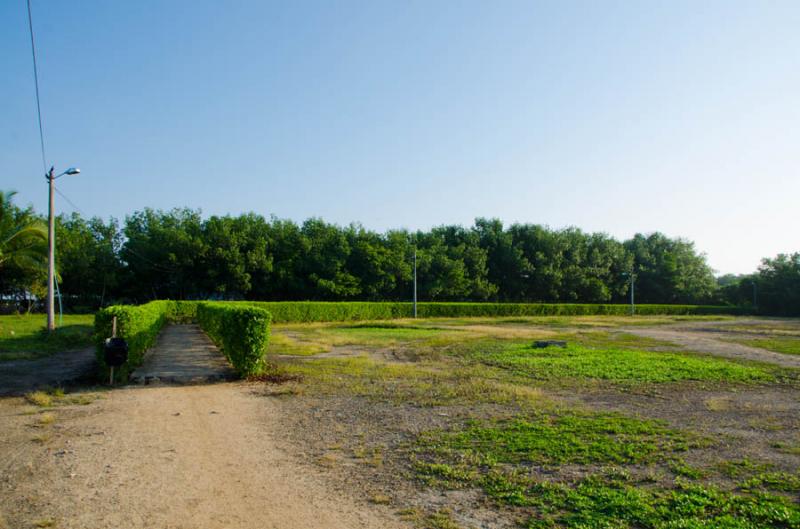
20 376
191 457
706 341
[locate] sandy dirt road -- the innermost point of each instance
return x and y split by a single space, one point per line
180 457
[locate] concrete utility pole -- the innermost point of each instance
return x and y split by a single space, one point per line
633 279
51 252
415 282
51 245
633 305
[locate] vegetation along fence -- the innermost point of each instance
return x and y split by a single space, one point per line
242 329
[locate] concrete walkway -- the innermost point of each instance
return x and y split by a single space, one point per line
183 354
20 376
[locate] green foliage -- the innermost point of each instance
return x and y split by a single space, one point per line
776 481
240 331
23 249
87 260
670 270
779 285
497 459
137 325
779 344
618 365
320 311
25 337
614 504
562 438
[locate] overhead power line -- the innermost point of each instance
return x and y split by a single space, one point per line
71 203
36 83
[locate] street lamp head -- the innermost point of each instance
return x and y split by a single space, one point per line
72 170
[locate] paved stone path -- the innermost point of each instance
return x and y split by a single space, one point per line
20 376
183 354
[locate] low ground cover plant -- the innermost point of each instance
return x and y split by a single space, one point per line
779 344
497 457
25 337
618 364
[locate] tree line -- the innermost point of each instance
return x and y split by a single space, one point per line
178 254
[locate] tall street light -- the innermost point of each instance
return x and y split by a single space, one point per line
51 244
415 282
632 275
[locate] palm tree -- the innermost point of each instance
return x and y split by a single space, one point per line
23 237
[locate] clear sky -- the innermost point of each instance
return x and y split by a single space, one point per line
620 117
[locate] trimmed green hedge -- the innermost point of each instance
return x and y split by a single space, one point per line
139 325
318 311
240 330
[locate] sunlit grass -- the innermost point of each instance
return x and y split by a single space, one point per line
24 337
779 344
618 365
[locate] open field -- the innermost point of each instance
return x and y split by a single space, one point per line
433 423
461 423
23 337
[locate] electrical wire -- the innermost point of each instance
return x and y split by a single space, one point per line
36 83
71 203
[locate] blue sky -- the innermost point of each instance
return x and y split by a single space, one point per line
620 117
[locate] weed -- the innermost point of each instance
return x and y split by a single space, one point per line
743 467
775 481
380 499
328 460
47 418
39 398
620 365
551 439
779 344
679 467
41 438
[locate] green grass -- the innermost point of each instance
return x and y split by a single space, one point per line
497 457
601 503
779 344
419 384
773 481
565 437
23 337
619 365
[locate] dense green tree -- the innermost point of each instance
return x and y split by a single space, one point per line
23 251
87 259
164 253
236 256
670 270
508 269
178 254
452 266
778 283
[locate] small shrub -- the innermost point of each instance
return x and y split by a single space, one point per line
240 331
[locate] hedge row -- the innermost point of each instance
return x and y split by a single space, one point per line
240 331
318 311
139 325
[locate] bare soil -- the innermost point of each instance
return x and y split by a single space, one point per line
209 456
